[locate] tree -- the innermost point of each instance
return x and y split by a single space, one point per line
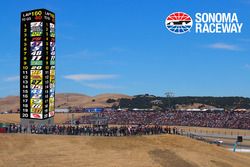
110 101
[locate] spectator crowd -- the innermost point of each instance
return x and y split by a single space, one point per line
127 123
92 131
213 119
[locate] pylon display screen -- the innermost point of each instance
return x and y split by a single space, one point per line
37 64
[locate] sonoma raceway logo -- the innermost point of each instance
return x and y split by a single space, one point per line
180 23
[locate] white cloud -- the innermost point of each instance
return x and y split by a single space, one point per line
245 40
247 66
84 54
68 25
117 49
247 1
12 78
89 77
224 46
66 37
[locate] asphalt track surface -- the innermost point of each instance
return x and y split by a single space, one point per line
216 135
207 138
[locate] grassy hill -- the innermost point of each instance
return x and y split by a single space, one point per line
149 101
138 151
65 100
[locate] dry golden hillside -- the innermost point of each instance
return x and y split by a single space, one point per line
78 100
65 100
59 118
137 151
195 105
9 103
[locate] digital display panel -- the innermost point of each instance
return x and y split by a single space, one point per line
37 64
36 29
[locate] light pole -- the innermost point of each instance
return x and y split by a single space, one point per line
169 95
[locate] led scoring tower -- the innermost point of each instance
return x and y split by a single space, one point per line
37 66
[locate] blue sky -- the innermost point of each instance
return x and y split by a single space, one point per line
122 46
